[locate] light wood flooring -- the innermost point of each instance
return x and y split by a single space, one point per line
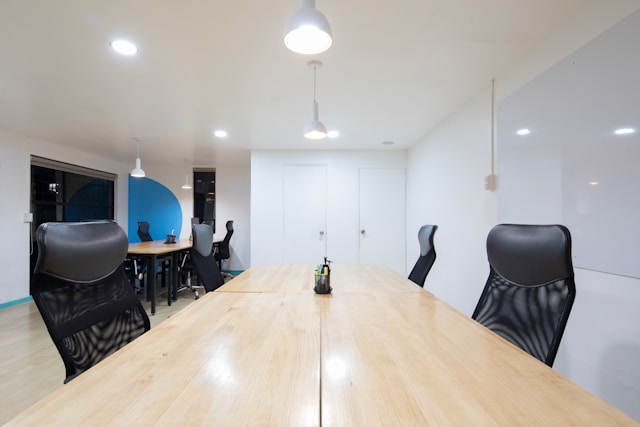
30 366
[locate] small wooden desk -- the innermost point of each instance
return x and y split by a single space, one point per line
151 250
264 349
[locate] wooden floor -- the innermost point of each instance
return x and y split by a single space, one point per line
30 366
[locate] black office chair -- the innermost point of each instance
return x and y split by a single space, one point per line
164 261
223 252
81 290
530 290
427 254
206 266
143 231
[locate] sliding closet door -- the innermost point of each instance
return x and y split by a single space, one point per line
304 213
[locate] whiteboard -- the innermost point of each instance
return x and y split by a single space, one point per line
572 169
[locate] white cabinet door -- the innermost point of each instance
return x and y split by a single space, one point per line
304 214
381 216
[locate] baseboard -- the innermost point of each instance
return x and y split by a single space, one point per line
15 302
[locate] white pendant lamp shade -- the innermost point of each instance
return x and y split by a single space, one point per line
186 184
137 172
307 31
315 129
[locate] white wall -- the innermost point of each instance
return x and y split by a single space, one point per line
233 198
601 345
15 178
342 197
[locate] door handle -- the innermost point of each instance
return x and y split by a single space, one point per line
321 234
363 232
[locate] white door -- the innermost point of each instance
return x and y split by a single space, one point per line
304 214
381 216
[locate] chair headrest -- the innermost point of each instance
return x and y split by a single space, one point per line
530 255
202 238
425 238
80 251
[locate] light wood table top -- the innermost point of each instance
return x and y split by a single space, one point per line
264 349
158 247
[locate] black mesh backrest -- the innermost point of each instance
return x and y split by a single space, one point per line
427 254
202 257
530 290
81 290
224 250
143 231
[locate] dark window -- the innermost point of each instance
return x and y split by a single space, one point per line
204 197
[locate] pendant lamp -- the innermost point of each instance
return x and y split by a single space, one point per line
307 31
186 184
315 129
137 172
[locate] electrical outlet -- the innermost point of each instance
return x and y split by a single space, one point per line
28 217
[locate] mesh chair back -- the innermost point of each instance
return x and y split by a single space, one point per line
224 251
202 257
427 254
530 290
143 231
81 290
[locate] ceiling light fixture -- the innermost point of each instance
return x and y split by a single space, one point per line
624 131
124 47
186 184
307 31
137 172
315 129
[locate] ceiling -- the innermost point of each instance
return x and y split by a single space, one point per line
394 71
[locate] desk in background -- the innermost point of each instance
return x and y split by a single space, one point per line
150 251
265 350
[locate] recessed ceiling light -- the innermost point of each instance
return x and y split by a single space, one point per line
624 131
333 134
220 133
124 47
388 142
593 183
523 132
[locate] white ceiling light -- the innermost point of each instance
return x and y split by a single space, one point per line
624 131
307 30
315 129
124 47
137 172
220 133
523 132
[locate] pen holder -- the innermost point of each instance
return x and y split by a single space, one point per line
323 284
171 238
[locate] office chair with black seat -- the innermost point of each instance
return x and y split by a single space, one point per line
427 255
206 266
164 260
81 290
530 290
223 251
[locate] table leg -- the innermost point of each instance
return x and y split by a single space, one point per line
151 282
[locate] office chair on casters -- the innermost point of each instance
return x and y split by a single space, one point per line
427 254
202 257
81 290
164 260
143 231
530 290
223 252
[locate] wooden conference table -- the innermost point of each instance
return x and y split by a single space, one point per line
265 350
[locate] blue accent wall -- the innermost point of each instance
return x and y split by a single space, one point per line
153 202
